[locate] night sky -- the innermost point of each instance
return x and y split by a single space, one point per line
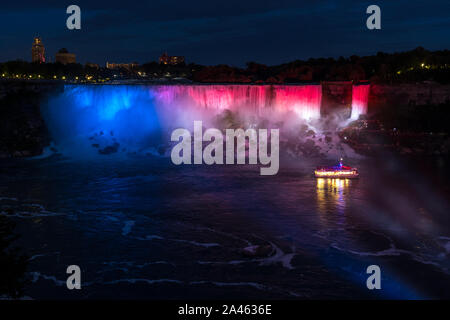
213 32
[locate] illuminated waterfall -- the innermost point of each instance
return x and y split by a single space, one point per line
89 118
304 100
360 100
136 117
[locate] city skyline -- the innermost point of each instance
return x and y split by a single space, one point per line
38 55
224 159
231 33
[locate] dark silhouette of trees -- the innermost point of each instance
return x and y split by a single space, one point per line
411 66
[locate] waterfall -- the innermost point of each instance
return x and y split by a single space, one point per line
135 117
89 118
360 100
304 100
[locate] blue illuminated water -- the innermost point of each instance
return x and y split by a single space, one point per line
144 228
140 227
101 116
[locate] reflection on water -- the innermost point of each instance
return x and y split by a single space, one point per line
332 195
147 229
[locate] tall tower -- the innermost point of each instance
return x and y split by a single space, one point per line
38 51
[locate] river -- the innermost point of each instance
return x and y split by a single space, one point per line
140 227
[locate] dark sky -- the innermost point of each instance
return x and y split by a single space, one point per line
213 32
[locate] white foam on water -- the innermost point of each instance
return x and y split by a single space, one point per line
46 152
133 264
148 281
277 256
37 275
227 235
31 214
5 297
227 284
25 209
60 283
149 238
127 227
195 243
6 198
42 255
393 251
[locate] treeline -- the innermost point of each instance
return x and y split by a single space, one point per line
412 66
25 70
19 69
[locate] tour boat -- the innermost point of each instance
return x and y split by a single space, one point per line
336 172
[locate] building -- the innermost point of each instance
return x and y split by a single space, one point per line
65 57
92 65
38 51
127 66
172 60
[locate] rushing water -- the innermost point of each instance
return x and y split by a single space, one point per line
128 118
360 100
144 228
140 227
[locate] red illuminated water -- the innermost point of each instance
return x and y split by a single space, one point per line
360 100
304 100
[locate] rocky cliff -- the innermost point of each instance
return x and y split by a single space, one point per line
23 132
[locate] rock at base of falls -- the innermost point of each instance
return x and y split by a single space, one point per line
257 251
23 132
